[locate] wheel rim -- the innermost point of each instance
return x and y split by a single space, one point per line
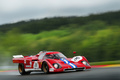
45 68
20 68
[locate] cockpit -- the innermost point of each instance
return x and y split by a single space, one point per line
54 56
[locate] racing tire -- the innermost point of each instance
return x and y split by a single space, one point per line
45 68
21 69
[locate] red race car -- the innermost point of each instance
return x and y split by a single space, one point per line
50 61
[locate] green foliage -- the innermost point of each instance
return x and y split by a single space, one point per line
47 24
95 37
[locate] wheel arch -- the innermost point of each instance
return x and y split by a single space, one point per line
48 63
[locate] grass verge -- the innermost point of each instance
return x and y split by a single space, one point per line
105 62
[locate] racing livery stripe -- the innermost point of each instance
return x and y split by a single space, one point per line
68 62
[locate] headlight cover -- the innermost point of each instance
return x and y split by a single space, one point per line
56 65
85 63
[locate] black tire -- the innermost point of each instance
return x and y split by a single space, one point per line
45 68
21 69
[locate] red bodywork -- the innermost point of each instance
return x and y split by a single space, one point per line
34 63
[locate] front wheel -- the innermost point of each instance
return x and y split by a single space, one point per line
45 67
21 69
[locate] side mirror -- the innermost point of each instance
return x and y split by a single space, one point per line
74 52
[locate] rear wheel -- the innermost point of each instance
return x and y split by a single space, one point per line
21 69
45 67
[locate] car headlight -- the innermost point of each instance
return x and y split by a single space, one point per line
85 63
56 65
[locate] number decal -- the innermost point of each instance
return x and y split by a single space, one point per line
36 65
76 58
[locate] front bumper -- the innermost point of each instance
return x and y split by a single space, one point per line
70 69
75 69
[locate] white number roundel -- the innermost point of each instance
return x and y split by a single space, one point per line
36 65
76 58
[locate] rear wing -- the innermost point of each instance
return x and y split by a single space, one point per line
18 56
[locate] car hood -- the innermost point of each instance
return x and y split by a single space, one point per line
66 65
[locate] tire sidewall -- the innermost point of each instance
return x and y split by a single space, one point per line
22 72
23 69
45 63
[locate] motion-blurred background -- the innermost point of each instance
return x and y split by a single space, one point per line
89 27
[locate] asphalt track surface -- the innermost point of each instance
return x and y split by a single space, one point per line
93 74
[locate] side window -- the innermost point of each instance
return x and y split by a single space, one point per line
49 56
41 56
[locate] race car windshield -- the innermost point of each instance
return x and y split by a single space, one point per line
55 56
60 55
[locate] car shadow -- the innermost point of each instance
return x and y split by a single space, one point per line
42 73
